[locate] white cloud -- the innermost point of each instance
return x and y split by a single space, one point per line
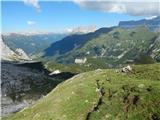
30 23
131 7
33 3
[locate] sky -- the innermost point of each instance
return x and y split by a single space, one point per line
60 16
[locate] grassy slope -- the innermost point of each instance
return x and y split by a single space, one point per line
133 96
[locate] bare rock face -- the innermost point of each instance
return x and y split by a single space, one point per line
6 52
16 82
21 53
10 55
23 83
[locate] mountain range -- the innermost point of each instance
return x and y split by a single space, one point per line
59 45
105 47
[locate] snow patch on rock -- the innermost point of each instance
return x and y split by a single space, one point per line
55 72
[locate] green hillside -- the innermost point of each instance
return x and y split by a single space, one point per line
119 46
106 94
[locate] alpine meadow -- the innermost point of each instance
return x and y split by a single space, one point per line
80 60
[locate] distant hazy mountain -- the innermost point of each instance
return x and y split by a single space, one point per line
31 43
153 23
82 29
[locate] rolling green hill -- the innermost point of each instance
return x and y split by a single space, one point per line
103 94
